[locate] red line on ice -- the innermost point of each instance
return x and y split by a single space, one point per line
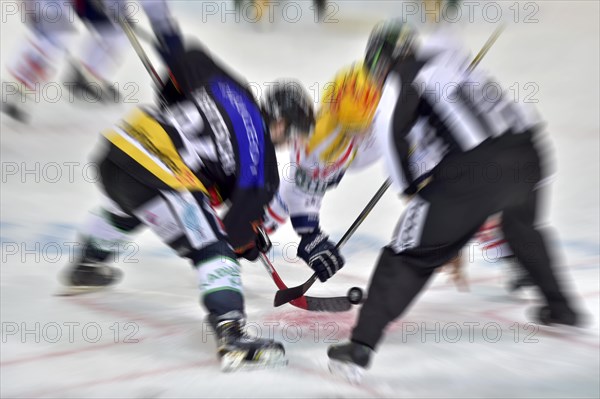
167 330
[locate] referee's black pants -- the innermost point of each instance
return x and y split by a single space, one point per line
500 175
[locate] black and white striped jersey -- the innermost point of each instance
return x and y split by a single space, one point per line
431 103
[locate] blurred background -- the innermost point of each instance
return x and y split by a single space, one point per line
147 337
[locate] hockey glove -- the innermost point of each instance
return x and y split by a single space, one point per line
262 244
320 254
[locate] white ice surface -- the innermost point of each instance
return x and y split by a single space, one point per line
175 355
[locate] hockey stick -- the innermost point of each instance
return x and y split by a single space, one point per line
486 47
118 17
328 304
287 295
135 43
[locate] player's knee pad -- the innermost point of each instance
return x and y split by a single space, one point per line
219 277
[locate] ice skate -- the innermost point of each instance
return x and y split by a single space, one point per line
239 351
349 361
557 315
86 277
559 320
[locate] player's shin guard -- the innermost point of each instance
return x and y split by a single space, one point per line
219 279
220 283
102 54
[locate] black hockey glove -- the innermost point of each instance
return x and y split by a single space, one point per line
262 244
320 254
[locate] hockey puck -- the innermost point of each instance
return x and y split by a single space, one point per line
355 295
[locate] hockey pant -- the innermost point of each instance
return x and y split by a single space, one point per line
183 220
466 188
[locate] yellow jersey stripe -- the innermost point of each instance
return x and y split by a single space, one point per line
142 129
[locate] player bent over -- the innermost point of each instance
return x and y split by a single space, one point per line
340 141
209 143
468 133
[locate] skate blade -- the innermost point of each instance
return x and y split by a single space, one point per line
80 290
348 371
236 361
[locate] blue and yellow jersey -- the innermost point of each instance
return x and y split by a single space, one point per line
154 152
212 140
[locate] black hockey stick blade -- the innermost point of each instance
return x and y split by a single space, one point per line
312 304
284 296
329 304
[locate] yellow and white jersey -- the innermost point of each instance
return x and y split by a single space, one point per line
331 150
341 140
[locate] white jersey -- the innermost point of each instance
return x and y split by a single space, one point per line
314 172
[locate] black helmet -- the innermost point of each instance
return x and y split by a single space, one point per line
389 41
288 100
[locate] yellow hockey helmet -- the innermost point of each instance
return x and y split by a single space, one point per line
352 98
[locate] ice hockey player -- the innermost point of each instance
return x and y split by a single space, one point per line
208 143
103 49
341 141
468 134
52 28
35 60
